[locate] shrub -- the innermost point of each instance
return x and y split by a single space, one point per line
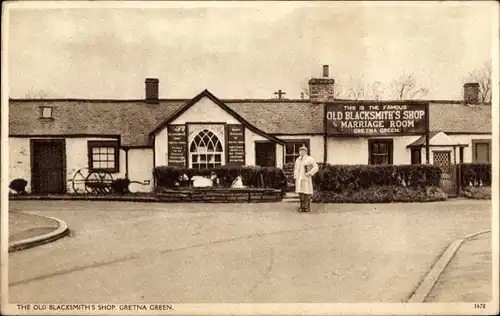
479 193
120 186
475 174
252 176
381 194
338 178
19 185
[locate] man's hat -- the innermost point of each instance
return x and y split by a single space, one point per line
303 148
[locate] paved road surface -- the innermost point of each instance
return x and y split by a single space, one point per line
249 253
468 276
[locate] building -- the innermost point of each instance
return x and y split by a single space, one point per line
50 141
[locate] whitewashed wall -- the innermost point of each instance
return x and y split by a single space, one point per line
280 151
76 159
467 140
207 111
354 151
161 148
250 138
20 160
140 168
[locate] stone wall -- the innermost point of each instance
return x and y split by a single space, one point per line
220 195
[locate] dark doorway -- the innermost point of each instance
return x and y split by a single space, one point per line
416 156
265 154
48 166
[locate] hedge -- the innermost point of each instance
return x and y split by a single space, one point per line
478 193
339 178
251 176
475 174
381 194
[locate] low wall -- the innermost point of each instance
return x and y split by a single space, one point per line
220 195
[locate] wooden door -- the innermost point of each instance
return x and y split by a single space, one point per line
265 154
48 166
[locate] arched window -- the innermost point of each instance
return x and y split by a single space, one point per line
205 150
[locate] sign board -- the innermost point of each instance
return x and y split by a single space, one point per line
235 144
177 147
375 119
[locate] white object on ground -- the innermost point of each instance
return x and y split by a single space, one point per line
237 183
201 182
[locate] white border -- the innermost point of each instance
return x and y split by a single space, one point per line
4 165
495 112
259 309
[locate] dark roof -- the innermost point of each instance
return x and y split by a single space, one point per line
279 118
134 120
460 118
421 141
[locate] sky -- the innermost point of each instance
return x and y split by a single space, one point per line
242 50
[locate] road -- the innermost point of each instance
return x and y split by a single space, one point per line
248 253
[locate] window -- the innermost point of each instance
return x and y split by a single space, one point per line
416 156
461 155
292 149
46 112
481 150
206 150
104 155
380 151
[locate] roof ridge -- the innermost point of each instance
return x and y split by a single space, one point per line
236 100
94 100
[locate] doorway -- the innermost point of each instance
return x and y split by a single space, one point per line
265 154
442 159
48 166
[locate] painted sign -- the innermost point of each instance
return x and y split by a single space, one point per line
235 144
177 147
375 119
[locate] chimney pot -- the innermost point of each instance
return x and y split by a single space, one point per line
471 93
325 71
152 90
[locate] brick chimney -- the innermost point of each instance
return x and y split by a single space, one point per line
471 93
152 90
321 89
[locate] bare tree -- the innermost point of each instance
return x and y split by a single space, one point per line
304 88
39 94
376 91
356 91
368 91
405 87
483 77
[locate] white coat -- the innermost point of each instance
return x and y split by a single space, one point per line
303 179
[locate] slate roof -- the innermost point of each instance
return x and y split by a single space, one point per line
132 120
135 119
459 118
288 117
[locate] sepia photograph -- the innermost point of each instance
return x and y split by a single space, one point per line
250 157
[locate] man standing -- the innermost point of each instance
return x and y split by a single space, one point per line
305 168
